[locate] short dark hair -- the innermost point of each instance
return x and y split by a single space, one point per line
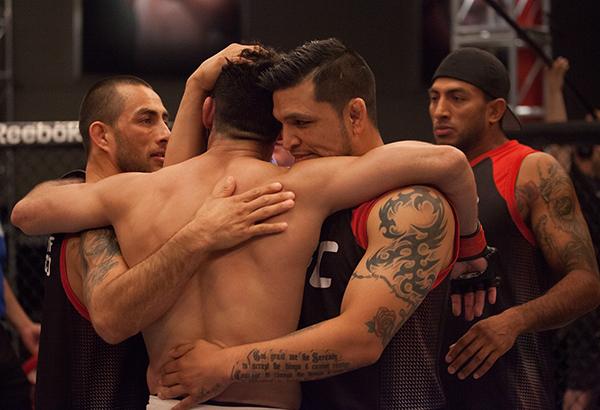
103 102
243 107
339 74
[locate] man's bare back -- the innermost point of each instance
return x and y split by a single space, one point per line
250 293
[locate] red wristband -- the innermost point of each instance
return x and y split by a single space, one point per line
30 364
472 246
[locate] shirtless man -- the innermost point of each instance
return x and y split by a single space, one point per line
253 292
86 274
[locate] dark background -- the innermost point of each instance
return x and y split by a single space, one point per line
49 82
390 34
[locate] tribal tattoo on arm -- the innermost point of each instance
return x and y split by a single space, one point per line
99 252
409 263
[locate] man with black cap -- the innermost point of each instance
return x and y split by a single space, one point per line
531 214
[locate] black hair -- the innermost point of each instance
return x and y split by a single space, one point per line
243 107
338 73
103 102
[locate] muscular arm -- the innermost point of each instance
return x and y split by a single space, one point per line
410 240
58 207
547 201
123 301
400 164
30 210
410 162
562 234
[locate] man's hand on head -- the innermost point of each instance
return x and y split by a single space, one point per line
225 220
207 73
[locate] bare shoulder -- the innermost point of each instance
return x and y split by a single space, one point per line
545 190
120 192
542 181
411 234
415 220
126 180
539 163
321 167
411 207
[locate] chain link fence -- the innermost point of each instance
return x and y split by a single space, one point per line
30 153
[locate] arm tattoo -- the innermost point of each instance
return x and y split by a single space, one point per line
571 255
283 366
407 265
268 365
383 325
558 194
98 248
524 196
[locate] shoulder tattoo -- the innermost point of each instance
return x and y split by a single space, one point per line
561 220
408 263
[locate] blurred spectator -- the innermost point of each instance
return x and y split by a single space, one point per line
15 390
174 33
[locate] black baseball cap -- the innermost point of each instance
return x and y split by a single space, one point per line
483 70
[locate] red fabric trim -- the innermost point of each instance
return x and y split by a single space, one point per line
360 215
507 146
508 193
30 364
507 160
64 278
472 245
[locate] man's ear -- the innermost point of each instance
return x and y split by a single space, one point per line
208 112
496 109
357 113
100 135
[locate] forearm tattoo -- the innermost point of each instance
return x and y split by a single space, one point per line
280 365
408 265
383 325
98 249
558 194
269 365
